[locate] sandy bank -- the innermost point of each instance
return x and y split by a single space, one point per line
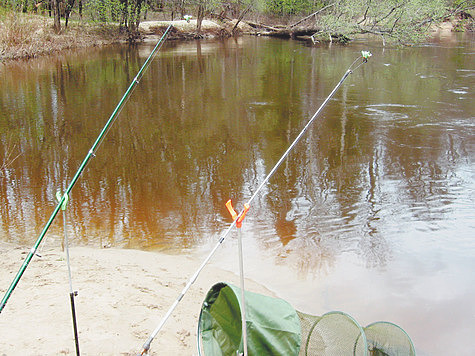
181 25
123 295
188 29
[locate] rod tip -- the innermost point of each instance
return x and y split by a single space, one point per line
366 55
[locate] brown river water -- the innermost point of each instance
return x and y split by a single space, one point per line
373 212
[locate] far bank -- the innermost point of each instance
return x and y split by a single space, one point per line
25 36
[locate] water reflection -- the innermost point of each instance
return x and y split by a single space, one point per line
210 119
385 172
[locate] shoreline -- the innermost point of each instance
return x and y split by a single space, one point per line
33 35
122 296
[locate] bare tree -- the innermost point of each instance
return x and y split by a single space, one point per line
56 16
241 16
204 7
201 15
67 10
177 8
401 21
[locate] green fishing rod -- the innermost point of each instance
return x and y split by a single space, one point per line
238 218
83 165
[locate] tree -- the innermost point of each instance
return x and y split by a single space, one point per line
56 16
291 7
177 7
69 4
241 16
126 12
204 7
135 10
404 21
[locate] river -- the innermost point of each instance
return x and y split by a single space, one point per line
372 213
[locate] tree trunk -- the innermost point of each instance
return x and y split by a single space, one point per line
240 18
201 15
67 11
56 16
134 20
123 24
138 10
182 8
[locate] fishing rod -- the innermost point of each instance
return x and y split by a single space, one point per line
237 219
83 165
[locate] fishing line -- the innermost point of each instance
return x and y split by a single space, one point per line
83 165
72 293
363 58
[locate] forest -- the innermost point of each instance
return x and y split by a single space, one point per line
399 21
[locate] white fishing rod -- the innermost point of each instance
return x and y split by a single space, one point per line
72 292
363 58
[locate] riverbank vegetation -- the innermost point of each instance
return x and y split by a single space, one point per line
34 27
24 36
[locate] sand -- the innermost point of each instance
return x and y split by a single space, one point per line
122 296
181 25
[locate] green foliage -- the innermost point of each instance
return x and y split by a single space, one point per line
291 7
206 4
464 25
9 5
459 3
103 10
125 12
404 21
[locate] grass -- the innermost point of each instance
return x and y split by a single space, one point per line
28 36
24 36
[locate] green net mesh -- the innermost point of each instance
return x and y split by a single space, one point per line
388 339
334 334
337 333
